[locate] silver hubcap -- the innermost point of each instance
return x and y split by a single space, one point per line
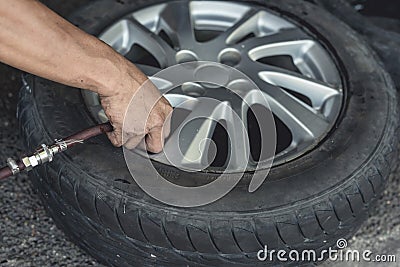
295 73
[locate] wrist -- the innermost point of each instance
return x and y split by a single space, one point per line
110 73
119 75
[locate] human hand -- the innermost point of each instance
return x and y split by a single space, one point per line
83 61
138 113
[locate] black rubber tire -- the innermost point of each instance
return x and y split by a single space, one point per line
307 203
384 40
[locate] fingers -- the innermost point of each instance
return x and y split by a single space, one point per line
148 130
133 142
155 140
115 138
130 142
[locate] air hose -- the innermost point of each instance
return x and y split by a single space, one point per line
45 153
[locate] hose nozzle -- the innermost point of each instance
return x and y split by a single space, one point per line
46 153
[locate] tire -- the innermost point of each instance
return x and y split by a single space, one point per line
384 41
307 203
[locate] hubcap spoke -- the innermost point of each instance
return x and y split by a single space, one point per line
277 39
318 93
194 135
177 23
304 123
129 32
237 31
155 45
306 55
257 25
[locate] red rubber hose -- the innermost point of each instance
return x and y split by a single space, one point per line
89 133
6 172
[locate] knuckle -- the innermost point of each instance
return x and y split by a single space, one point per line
154 148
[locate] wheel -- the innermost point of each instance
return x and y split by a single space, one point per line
336 120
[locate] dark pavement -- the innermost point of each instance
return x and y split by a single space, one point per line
29 237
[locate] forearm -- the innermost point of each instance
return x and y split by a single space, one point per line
36 40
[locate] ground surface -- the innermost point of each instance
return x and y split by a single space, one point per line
29 237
